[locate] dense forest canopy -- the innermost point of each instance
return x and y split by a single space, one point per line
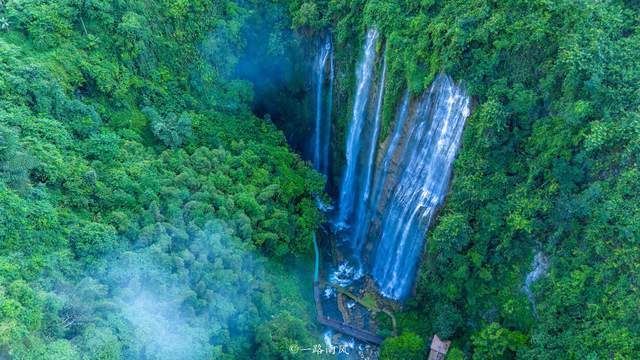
139 197
549 163
144 189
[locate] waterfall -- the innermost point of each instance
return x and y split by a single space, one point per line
403 191
364 76
424 169
322 129
327 132
539 268
383 170
316 263
361 220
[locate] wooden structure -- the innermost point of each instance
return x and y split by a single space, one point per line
439 348
371 306
340 326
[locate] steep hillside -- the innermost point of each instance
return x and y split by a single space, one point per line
145 212
548 165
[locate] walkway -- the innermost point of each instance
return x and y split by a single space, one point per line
339 326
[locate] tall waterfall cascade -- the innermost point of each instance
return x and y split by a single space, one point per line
322 129
364 78
424 158
363 209
391 188
539 269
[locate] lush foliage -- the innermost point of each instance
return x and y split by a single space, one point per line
138 192
139 196
549 163
406 346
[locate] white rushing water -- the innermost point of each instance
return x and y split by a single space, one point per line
402 192
345 274
323 206
363 209
364 75
322 128
327 133
383 169
348 344
424 169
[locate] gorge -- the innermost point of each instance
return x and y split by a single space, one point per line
391 188
174 174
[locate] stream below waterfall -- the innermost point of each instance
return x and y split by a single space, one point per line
337 268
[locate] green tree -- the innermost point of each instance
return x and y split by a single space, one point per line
406 346
496 342
172 130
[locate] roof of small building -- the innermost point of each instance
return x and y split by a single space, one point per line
439 345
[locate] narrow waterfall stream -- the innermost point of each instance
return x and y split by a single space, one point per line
322 129
361 220
326 141
364 77
539 269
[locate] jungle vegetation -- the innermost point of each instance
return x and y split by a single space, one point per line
144 189
145 212
549 162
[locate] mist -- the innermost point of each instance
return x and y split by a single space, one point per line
274 60
194 297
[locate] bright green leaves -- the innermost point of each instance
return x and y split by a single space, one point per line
409 346
91 240
495 342
48 23
15 162
275 337
491 121
307 15
76 190
172 130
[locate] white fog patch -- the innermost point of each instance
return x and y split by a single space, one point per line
184 297
161 329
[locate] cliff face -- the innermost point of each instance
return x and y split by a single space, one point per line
420 171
